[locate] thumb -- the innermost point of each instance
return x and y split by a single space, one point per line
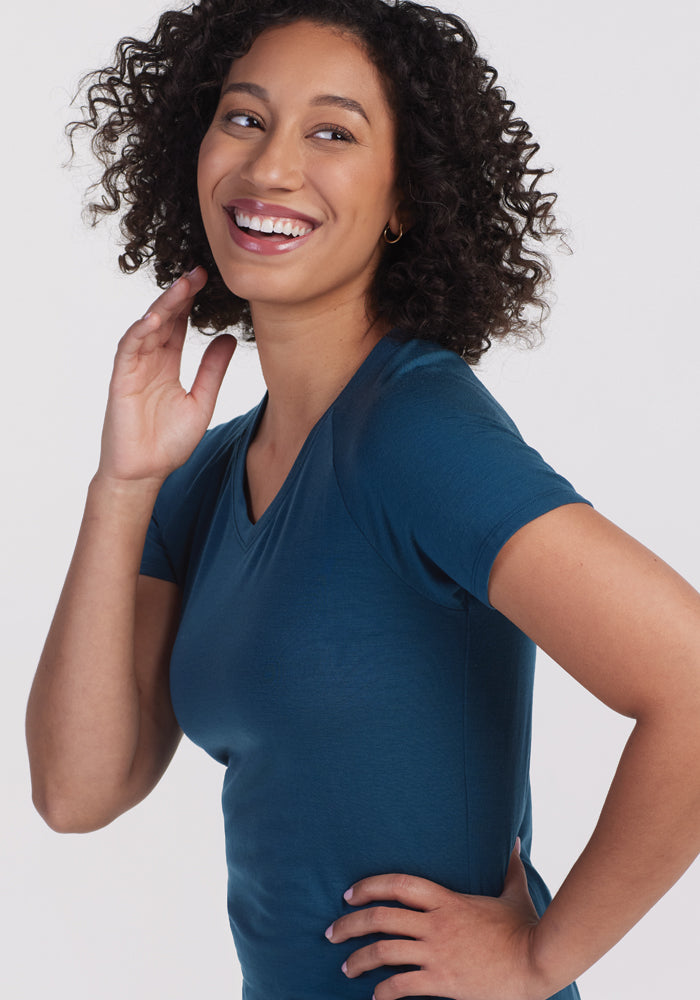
515 886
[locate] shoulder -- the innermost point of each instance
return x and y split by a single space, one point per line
423 399
216 446
204 470
187 500
429 463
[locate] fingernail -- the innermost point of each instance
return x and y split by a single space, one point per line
329 932
193 270
347 896
344 968
517 845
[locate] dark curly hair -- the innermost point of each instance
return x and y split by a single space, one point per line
470 268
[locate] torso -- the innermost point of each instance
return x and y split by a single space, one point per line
372 713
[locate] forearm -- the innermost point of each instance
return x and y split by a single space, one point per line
647 835
83 710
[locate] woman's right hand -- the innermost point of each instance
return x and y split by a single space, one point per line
152 423
100 723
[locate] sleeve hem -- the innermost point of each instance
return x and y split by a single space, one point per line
158 573
506 528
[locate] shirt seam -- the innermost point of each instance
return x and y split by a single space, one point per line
467 810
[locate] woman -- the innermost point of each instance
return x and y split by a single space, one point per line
345 577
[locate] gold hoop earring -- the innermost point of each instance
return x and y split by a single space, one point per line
387 230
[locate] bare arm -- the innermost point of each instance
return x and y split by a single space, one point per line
627 627
100 726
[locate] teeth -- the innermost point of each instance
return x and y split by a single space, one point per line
271 224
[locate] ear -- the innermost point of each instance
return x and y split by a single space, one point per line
403 215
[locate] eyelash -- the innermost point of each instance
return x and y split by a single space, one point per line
345 136
337 130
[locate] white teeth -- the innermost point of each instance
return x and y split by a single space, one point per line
271 224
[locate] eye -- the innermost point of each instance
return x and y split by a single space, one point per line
244 119
334 133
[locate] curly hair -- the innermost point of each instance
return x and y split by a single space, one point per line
470 268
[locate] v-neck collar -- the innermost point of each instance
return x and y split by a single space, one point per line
247 530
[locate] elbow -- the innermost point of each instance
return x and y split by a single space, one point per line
64 814
72 803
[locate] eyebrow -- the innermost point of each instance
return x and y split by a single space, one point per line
339 102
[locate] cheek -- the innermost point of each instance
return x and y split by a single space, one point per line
213 164
378 203
363 193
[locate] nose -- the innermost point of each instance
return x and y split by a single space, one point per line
275 162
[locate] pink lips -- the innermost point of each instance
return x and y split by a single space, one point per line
252 207
266 246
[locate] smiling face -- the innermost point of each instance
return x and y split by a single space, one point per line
297 170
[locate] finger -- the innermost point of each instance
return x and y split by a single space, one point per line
178 297
168 314
175 305
406 984
411 890
177 321
376 920
163 326
189 285
211 371
386 952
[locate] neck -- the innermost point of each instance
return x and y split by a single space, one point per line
306 362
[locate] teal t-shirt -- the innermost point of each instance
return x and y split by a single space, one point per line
341 659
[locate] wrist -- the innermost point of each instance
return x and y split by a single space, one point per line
128 499
126 489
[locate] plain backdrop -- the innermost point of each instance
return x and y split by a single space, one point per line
610 90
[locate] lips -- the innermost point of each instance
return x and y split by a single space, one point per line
270 225
266 229
251 207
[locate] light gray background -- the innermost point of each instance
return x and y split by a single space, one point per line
138 909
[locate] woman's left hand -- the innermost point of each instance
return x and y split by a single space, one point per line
467 947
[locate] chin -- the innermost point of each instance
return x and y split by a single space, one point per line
254 295
245 286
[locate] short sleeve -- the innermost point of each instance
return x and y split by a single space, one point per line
186 502
155 560
437 476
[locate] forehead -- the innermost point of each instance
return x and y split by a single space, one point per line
304 59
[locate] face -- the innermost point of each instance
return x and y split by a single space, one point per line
297 171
